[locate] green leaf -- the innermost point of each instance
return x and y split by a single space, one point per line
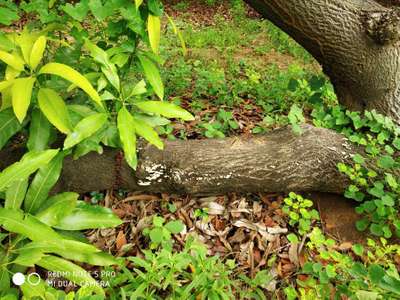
127 136
386 162
148 133
156 235
15 194
86 216
12 60
9 125
29 163
376 273
292 238
376 229
362 224
37 52
58 207
165 109
8 16
21 96
70 271
396 143
73 76
84 129
5 280
39 132
175 227
79 11
358 159
154 28
358 249
42 183
153 75
55 110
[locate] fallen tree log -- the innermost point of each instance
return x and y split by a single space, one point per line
274 162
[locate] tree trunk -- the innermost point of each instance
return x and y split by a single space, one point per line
274 162
355 41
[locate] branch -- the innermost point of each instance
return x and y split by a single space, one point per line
274 162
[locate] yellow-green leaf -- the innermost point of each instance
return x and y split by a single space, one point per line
127 136
148 133
12 60
25 41
5 84
152 75
55 109
21 96
37 52
178 34
138 3
165 109
84 129
154 28
73 76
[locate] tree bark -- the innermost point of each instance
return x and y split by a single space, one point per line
355 41
274 162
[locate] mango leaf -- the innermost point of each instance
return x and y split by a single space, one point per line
28 257
178 33
25 41
154 28
153 75
12 60
84 129
72 250
5 43
15 194
73 76
21 96
34 288
127 136
58 206
165 109
72 272
9 126
55 110
138 3
138 89
37 52
29 163
86 216
42 183
108 68
29 226
5 84
39 132
148 133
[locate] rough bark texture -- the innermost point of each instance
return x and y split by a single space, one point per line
277 161
355 41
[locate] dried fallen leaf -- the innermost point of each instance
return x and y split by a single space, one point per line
120 240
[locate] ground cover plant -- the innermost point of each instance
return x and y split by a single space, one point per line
83 76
